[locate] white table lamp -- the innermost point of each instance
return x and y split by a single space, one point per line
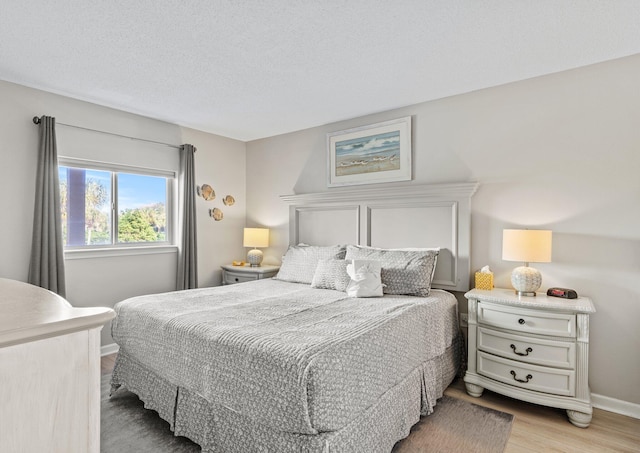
527 246
255 237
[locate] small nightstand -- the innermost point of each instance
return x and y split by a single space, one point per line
240 274
535 349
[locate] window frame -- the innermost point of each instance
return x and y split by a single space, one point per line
126 248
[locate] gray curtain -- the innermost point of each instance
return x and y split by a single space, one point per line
188 253
46 268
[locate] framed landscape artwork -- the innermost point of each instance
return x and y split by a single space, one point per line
371 154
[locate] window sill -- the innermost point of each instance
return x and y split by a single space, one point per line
81 254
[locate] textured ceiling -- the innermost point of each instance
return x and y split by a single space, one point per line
252 69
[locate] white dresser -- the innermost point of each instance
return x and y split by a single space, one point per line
534 349
49 372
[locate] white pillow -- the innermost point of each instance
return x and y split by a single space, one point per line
404 271
331 274
300 262
365 279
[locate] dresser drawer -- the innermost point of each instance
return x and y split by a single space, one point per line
529 321
230 278
527 376
560 354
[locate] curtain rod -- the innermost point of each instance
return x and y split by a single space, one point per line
36 120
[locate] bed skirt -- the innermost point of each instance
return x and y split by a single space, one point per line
219 429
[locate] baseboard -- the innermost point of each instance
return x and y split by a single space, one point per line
617 406
109 349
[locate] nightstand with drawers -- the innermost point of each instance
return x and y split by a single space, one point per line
535 349
240 274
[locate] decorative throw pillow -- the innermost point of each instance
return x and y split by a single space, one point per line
365 279
404 271
300 262
331 274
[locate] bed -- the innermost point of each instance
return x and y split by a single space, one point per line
293 364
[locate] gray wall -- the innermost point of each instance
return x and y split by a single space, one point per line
559 152
104 281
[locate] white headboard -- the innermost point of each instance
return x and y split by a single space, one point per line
435 215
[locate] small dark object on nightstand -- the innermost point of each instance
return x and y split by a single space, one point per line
562 292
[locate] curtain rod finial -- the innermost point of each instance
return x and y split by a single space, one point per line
36 120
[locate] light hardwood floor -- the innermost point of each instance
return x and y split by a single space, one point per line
107 362
545 429
539 428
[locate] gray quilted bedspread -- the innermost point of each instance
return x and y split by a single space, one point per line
299 359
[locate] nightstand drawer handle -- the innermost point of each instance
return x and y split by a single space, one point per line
526 353
237 279
513 373
520 321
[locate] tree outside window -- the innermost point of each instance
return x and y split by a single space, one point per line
90 197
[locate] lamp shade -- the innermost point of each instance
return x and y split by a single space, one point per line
256 237
526 246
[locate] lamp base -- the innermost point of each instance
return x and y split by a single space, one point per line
526 280
254 257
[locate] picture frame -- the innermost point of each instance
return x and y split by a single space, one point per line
372 154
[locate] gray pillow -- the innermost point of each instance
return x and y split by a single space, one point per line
331 274
404 271
300 262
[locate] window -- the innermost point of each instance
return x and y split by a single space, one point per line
106 205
